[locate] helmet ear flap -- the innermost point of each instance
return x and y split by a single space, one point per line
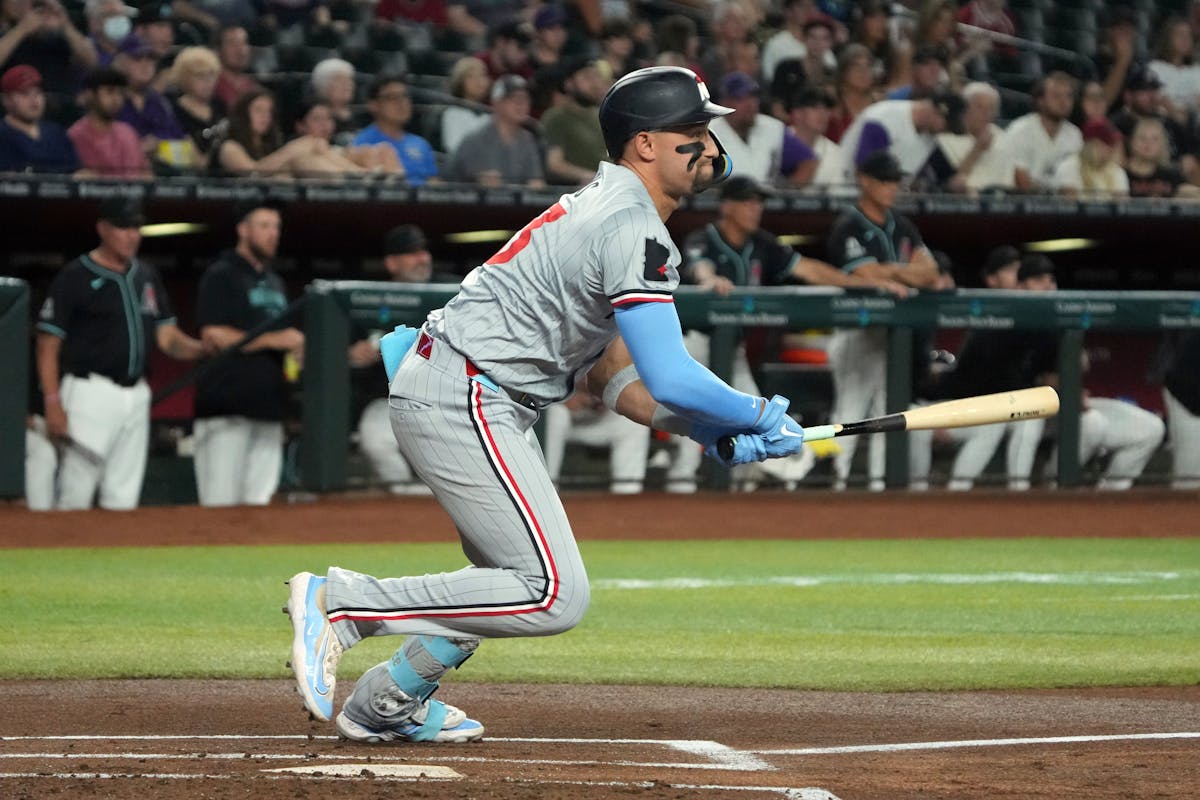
722 164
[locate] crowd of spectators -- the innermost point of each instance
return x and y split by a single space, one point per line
507 93
972 97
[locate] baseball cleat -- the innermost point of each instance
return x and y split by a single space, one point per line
423 726
315 649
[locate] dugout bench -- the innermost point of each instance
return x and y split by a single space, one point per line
331 305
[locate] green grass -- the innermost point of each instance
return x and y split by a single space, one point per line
865 615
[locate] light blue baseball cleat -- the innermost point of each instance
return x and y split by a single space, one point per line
315 649
434 721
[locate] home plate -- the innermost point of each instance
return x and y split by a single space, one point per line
373 771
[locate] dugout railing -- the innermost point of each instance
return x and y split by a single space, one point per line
333 305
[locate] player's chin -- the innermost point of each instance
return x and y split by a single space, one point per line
703 179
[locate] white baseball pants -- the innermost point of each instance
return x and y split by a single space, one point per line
1129 433
976 446
1183 427
629 443
858 362
237 460
41 469
113 422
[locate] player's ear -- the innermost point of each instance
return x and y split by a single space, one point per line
643 145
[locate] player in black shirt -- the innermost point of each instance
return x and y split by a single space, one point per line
870 241
240 403
735 251
101 311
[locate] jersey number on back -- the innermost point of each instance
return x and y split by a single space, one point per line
518 242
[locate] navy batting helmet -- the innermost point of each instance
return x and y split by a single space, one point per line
654 99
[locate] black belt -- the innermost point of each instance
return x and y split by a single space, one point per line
425 349
124 381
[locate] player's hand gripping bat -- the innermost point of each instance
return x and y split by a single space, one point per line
985 409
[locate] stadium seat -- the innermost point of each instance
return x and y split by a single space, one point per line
364 59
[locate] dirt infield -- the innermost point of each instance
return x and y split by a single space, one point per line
226 739
775 515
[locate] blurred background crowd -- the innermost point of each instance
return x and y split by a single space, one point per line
1082 97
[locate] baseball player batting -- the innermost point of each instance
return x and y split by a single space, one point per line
582 294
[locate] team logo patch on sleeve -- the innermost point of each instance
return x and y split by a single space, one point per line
656 268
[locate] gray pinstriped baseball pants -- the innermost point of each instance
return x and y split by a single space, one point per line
467 442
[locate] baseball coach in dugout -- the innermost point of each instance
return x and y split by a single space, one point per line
583 293
102 312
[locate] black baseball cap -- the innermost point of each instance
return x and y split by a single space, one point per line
122 212
567 67
882 166
811 97
1142 78
245 208
1000 257
511 30
404 239
1035 265
1116 15
105 76
743 187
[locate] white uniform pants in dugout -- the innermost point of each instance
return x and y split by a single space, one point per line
112 422
858 363
238 460
41 468
1183 427
1123 430
628 441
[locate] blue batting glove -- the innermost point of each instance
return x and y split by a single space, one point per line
773 414
747 449
394 346
782 435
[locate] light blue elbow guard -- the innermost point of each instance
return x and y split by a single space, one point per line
393 347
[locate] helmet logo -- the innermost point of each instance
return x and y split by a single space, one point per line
703 89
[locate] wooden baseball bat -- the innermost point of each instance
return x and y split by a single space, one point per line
985 409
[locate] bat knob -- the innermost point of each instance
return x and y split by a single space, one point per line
725 448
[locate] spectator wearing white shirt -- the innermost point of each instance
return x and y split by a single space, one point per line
753 141
1044 137
1095 171
789 41
905 128
1175 66
974 161
471 83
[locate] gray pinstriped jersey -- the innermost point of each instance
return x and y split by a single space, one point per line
541 309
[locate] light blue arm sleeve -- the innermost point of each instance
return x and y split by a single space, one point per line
674 378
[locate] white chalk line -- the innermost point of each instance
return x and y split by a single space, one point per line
731 758
792 793
208 777
903 579
737 761
953 744
720 757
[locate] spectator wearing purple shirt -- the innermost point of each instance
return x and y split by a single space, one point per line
147 111
27 142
